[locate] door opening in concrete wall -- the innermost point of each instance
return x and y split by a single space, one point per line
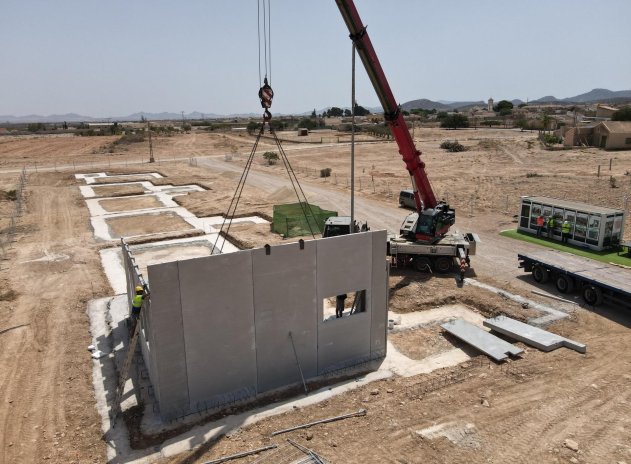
343 305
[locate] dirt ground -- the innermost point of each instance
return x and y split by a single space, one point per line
520 414
141 224
128 204
118 190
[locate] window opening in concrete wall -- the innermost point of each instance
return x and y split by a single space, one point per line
343 305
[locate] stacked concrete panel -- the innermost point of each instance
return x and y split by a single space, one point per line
218 328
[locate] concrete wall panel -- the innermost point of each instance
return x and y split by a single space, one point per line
218 315
165 337
344 264
379 287
218 327
285 298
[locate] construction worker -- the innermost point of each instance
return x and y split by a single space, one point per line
539 225
339 305
136 305
550 227
565 231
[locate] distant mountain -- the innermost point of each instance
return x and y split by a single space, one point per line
546 99
425 104
595 95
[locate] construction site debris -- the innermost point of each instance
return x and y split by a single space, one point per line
361 412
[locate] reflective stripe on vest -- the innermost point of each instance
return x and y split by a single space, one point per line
137 301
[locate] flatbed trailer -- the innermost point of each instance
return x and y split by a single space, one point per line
597 282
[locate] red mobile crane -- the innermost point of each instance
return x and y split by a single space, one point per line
424 240
433 218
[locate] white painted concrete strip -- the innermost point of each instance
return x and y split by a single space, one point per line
480 339
533 336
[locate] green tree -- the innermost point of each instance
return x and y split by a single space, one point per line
503 105
308 123
545 121
455 121
361 111
335 112
271 157
623 114
253 127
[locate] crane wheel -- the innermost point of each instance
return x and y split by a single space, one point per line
564 284
540 274
443 264
592 295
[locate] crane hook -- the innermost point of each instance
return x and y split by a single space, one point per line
266 94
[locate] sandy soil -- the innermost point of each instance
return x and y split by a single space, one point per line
128 204
146 224
118 190
544 399
46 391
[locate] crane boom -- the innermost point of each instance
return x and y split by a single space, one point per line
392 113
438 216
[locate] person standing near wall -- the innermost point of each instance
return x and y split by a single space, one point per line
539 225
339 305
136 306
565 231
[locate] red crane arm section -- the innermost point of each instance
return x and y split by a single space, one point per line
394 118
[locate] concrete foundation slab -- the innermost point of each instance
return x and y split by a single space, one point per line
480 339
533 336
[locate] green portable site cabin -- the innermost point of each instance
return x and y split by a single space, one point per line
594 227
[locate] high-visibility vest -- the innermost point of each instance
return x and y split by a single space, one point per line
136 302
566 227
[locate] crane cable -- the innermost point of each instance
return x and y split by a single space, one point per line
265 94
266 8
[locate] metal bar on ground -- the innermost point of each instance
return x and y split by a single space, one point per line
312 454
536 292
302 377
240 455
361 412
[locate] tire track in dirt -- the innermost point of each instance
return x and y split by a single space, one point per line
48 370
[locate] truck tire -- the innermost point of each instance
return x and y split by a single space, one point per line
540 274
422 264
592 295
565 284
443 264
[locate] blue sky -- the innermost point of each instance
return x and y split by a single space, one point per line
118 57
